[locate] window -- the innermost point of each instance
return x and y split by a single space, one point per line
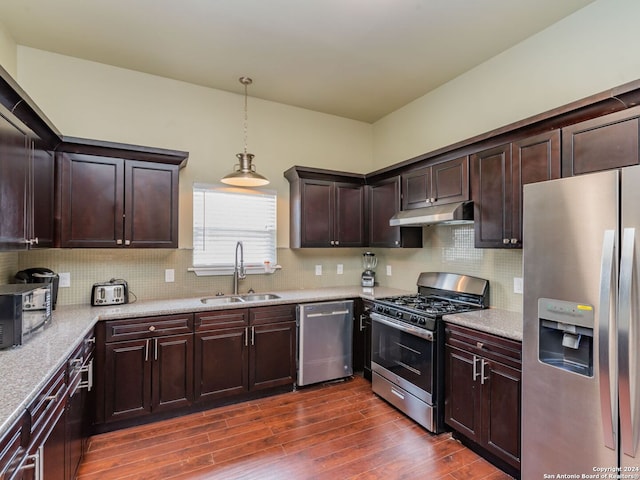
222 216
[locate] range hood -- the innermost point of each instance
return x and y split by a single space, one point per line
461 212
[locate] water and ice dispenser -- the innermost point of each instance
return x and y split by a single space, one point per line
566 335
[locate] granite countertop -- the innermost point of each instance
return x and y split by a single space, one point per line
26 369
491 320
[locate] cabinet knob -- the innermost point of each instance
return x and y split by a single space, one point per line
514 241
119 241
505 241
331 242
397 242
337 243
479 344
152 328
127 242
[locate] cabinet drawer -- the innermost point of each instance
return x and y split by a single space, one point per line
13 447
134 328
274 314
221 319
489 346
50 398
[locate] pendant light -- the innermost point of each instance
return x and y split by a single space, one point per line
244 173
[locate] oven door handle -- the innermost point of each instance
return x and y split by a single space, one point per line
425 334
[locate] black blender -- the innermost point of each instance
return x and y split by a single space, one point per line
369 262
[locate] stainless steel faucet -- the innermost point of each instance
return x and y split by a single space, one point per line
238 273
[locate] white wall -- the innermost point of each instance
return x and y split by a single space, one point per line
8 52
92 100
590 51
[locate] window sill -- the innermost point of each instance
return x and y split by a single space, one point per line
219 271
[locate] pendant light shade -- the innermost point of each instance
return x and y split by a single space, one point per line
244 173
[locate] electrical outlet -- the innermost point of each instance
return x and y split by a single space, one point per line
318 269
388 270
64 279
517 285
169 275
340 269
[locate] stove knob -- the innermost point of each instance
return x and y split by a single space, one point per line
399 314
379 308
422 321
386 310
414 318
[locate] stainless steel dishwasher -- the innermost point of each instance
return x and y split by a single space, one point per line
325 332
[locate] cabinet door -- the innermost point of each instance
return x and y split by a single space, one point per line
316 216
450 181
349 215
385 203
491 187
221 358
462 394
535 159
501 400
43 196
416 188
603 143
92 201
53 451
127 379
14 191
151 205
273 355
172 370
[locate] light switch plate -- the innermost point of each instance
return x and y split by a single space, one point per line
318 269
64 279
169 275
517 285
388 270
340 269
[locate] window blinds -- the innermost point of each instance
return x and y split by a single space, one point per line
223 216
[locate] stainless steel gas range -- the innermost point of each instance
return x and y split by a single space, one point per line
407 343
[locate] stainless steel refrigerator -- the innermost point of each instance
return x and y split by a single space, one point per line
580 396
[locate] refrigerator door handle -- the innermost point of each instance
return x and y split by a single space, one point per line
605 316
627 315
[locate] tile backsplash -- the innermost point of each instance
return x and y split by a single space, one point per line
446 248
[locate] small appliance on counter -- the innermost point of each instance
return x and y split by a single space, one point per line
369 262
113 292
23 310
40 275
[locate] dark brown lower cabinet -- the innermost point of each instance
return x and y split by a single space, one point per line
482 392
145 376
145 366
244 350
221 355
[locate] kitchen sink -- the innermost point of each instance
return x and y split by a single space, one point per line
250 297
221 300
256 297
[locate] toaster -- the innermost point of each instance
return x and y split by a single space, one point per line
113 292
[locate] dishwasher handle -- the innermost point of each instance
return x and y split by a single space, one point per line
327 314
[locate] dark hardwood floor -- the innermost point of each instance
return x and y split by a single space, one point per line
336 431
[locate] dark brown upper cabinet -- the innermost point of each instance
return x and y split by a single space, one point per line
26 187
602 143
114 202
327 208
498 175
384 203
438 184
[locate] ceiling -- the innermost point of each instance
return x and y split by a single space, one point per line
359 59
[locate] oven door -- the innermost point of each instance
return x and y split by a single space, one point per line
404 355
